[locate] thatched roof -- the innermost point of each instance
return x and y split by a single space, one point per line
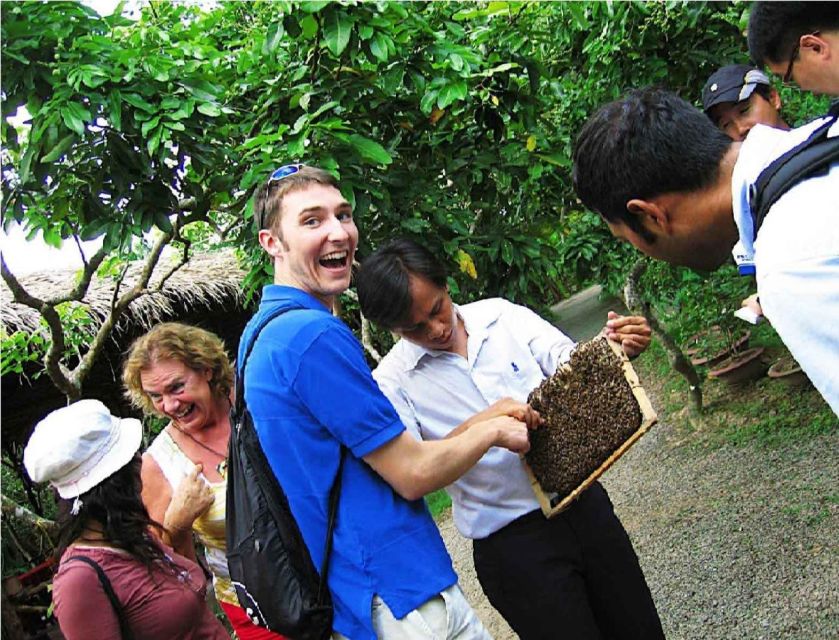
207 292
207 280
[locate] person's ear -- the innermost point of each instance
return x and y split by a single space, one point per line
775 98
271 243
651 215
814 43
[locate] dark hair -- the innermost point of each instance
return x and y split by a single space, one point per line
774 27
382 281
648 143
268 197
115 504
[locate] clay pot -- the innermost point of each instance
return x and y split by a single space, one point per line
786 370
741 367
699 355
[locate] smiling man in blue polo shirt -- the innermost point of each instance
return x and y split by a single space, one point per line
310 392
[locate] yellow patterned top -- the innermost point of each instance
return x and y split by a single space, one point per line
210 525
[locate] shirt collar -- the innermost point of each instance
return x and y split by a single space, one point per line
282 293
477 322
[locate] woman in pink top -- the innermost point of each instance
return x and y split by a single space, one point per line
115 579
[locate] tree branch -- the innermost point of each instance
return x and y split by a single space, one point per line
366 336
80 290
140 288
57 372
13 509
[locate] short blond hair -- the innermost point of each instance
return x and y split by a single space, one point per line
268 198
194 347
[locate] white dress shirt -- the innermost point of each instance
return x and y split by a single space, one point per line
510 350
796 255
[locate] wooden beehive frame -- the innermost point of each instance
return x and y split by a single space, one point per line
553 505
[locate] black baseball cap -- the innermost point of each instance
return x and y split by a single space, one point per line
733 83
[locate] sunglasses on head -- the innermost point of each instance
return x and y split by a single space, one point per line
284 172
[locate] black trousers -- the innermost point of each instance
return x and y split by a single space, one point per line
574 577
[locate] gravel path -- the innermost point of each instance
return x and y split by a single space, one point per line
735 542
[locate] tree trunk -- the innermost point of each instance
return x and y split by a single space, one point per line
636 304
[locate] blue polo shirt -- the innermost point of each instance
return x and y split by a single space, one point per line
309 389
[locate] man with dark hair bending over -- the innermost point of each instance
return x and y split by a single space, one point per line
678 189
572 576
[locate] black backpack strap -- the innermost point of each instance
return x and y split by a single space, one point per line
124 629
335 491
240 374
803 161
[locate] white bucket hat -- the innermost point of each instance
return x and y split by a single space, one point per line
77 447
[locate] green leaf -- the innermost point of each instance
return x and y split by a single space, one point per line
273 37
323 108
154 142
136 101
72 121
370 149
52 237
336 29
59 149
378 47
507 252
202 90
309 25
115 109
209 109
450 93
26 162
148 126
427 102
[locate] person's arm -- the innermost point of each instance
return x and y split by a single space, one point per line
415 468
633 333
177 510
505 407
81 606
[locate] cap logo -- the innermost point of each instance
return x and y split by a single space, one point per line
714 87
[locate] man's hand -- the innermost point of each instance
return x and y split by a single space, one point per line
510 433
633 333
753 303
192 498
508 407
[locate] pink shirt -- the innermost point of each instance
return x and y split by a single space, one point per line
160 606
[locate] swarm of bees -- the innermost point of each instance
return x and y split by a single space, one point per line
589 410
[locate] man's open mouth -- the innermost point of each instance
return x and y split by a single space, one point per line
334 260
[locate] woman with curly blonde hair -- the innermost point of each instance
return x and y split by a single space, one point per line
182 373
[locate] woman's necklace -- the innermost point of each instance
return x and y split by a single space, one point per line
221 467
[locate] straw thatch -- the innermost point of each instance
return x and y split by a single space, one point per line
207 291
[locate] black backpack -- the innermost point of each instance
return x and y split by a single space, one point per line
805 160
270 566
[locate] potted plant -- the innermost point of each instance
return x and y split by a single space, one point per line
711 346
740 364
787 371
